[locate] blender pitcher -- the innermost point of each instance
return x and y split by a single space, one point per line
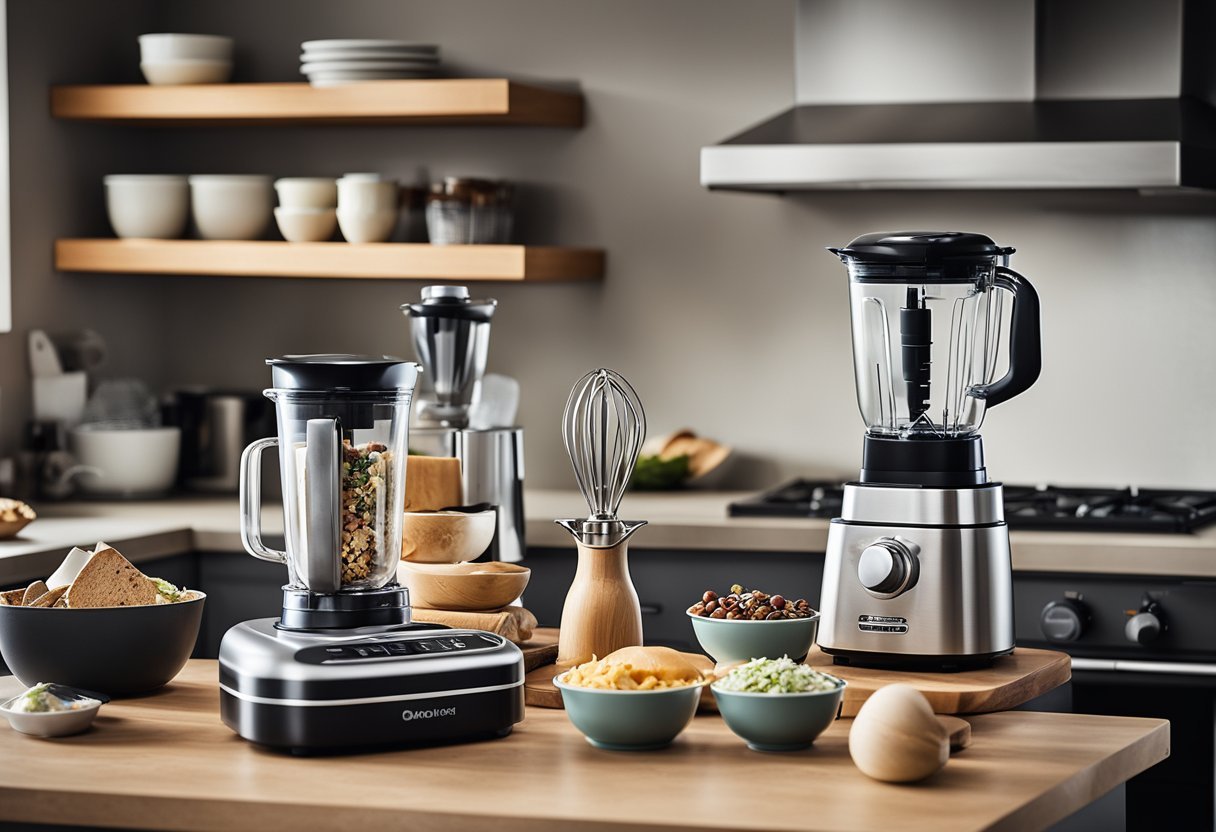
927 324
343 425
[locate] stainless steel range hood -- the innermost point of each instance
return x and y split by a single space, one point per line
1081 94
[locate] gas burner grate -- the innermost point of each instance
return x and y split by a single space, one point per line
1026 507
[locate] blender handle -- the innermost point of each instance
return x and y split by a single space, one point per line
1025 347
251 502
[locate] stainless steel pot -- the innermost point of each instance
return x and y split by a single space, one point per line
216 427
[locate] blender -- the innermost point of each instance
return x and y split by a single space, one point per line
343 667
917 570
451 337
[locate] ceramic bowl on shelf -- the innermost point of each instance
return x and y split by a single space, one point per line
778 721
467 587
306 225
629 720
147 206
185 71
367 226
738 640
307 192
162 47
231 207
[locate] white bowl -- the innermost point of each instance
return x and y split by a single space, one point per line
306 225
366 195
231 207
307 192
51 723
367 226
147 206
127 463
170 46
186 71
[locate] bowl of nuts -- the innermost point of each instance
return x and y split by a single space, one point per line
749 624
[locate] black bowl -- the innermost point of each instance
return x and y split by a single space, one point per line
118 651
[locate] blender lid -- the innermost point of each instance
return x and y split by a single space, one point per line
921 248
343 372
450 302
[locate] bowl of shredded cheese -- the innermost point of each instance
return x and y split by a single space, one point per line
635 699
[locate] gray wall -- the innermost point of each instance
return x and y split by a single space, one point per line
723 309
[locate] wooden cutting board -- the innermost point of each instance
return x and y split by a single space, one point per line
541 649
1011 681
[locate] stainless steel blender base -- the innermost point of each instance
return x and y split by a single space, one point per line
957 610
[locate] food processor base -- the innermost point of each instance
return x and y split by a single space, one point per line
343 691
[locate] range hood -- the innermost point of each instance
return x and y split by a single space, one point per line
1065 94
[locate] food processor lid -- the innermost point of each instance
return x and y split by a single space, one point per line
922 248
371 373
450 302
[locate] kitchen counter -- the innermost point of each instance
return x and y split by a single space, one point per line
166 761
694 520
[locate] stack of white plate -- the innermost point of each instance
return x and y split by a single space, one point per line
328 63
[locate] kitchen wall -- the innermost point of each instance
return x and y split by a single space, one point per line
723 309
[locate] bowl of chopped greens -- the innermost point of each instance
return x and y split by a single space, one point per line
778 704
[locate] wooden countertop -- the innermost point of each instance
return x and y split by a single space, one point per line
690 520
166 761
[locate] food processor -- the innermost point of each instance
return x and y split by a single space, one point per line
917 571
451 336
343 667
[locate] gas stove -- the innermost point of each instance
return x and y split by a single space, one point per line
1026 507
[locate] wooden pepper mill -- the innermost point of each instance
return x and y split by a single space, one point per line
603 429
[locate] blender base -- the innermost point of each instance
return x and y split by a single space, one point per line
342 691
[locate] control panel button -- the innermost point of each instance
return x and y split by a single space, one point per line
886 567
1142 628
1064 620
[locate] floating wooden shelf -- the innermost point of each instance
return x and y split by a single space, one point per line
428 101
401 261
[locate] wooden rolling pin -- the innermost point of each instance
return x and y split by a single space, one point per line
512 623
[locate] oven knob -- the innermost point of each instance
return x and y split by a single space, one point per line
1064 620
1142 628
886 567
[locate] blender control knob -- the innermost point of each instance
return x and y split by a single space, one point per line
1142 628
886 567
1064 620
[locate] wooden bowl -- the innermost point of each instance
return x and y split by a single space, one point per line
446 536
463 587
11 528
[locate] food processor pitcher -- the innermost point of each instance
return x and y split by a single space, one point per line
343 426
927 321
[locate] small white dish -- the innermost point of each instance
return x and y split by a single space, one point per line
51 723
171 46
185 71
307 192
367 43
335 78
306 225
315 65
367 195
367 55
360 226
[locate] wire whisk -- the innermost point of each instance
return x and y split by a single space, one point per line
603 428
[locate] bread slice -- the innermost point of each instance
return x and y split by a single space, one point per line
110 580
432 483
12 598
51 597
33 592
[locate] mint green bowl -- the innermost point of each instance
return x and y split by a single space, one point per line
735 640
778 721
629 720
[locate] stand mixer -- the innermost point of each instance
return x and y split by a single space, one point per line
917 571
451 337
343 667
